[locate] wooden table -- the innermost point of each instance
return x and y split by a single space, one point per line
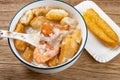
86 68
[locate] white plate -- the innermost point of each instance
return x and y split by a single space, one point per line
96 49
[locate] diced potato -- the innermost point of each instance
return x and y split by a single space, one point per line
27 17
28 54
56 14
69 47
40 11
53 61
69 21
20 45
76 35
20 28
37 21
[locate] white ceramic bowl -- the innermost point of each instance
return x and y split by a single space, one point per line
55 4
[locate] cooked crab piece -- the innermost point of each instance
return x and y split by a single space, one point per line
40 11
56 14
37 21
69 21
27 17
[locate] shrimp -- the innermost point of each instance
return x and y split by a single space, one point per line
45 52
46 29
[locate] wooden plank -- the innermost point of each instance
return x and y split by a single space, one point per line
13 5
6 15
85 68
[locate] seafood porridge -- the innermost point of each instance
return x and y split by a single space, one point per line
60 38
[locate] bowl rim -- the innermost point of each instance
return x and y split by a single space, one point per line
54 67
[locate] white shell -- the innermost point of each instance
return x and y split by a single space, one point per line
97 50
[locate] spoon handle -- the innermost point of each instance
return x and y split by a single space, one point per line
32 39
14 35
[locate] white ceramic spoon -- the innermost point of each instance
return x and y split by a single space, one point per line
32 39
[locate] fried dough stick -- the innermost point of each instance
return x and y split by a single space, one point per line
100 28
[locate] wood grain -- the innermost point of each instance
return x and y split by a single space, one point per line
85 68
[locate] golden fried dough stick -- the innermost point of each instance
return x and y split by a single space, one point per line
40 11
53 61
100 28
28 54
56 14
20 45
76 35
102 24
69 47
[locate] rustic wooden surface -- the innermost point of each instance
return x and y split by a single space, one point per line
86 68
